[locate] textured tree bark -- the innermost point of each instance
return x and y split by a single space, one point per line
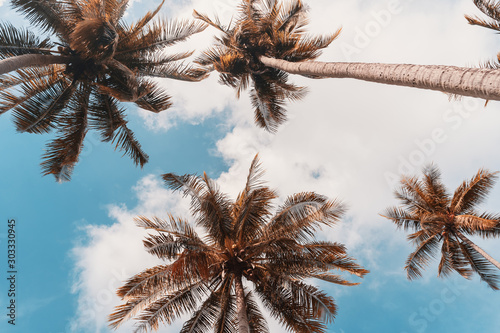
26 60
243 326
473 82
478 249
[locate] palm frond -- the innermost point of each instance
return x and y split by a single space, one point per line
204 318
402 218
43 99
485 270
152 97
177 71
124 140
419 259
303 213
63 152
17 41
158 35
473 192
45 14
256 319
214 23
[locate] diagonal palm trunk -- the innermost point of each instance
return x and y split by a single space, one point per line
478 249
474 82
27 60
243 326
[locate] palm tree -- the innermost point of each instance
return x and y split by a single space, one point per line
442 220
77 82
268 41
244 243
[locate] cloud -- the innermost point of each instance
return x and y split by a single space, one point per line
115 253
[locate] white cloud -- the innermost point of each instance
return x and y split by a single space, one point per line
115 253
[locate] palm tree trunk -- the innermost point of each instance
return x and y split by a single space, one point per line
25 60
474 82
478 249
243 326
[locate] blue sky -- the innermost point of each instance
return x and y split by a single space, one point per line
77 241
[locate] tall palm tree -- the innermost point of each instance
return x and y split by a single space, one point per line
90 60
244 244
268 41
442 220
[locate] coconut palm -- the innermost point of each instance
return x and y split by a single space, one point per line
244 244
268 41
74 78
444 222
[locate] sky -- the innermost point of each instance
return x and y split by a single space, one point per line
351 140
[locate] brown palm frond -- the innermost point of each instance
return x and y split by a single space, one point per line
226 319
124 140
136 29
158 35
17 41
214 213
115 9
203 319
168 308
21 82
303 213
484 224
402 218
489 8
214 23
62 153
256 319
420 258
485 270
177 71
44 98
473 192
46 14
152 97
284 308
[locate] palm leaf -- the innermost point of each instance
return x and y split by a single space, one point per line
63 152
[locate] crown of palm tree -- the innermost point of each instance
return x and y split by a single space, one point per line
442 220
243 238
99 61
263 28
